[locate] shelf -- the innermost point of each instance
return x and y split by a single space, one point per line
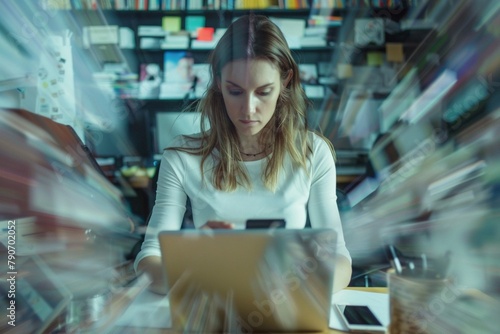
28 80
148 14
277 11
306 49
400 10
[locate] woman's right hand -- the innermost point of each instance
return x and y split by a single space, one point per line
217 225
152 266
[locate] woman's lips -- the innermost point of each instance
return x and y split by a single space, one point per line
248 122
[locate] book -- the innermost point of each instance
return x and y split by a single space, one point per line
149 81
182 77
187 90
202 73
308 73
178 66
179 76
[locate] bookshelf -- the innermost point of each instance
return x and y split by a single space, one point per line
152 5
334 19
315 53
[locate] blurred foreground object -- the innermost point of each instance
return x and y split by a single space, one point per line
57 206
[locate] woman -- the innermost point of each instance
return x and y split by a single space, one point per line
257 159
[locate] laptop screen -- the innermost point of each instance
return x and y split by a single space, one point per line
249 280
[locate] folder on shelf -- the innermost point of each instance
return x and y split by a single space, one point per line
193 23
205 34
394 52
344 71
171 23
374 58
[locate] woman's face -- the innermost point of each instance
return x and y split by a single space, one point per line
250 89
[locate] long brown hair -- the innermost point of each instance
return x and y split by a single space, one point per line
253 37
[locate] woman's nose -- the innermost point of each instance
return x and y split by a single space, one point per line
250 104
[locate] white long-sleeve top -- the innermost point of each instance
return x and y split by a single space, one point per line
297 194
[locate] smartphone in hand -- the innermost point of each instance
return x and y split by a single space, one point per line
265 223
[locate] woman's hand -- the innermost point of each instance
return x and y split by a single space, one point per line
152 266
217 225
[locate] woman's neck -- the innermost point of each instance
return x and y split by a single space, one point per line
253 147
254 152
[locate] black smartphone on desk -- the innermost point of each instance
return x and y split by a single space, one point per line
265 223
359 318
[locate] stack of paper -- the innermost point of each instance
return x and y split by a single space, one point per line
150 36
314 37
150 43
151 31
176 40
293 29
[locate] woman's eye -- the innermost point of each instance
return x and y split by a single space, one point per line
234 92
265 93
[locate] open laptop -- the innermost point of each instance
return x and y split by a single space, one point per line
249 281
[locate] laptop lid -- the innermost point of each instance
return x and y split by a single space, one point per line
249 280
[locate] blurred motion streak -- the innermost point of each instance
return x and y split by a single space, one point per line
437 195
63 211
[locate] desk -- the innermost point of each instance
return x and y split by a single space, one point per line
141 330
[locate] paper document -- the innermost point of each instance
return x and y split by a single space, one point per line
148 310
